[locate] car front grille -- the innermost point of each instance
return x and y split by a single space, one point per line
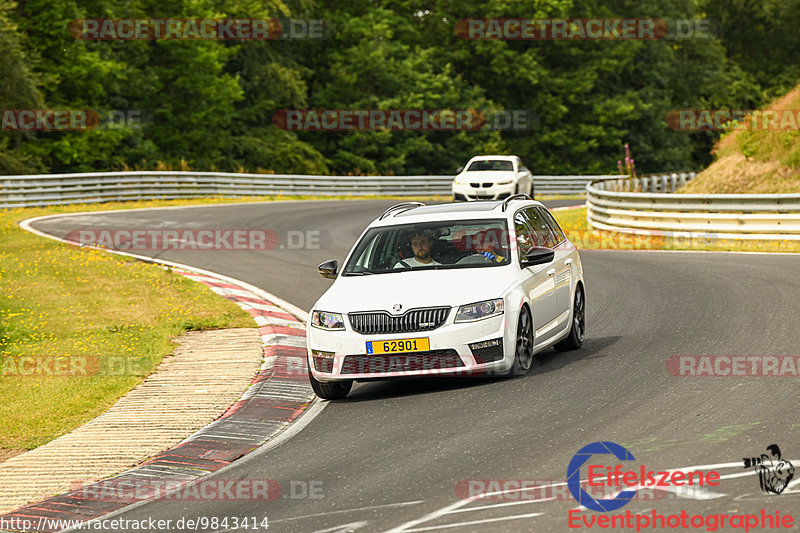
475 185
379 364
488 184
380 322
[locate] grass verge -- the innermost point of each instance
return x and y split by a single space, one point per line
79 328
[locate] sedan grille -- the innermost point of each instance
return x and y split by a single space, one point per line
379 322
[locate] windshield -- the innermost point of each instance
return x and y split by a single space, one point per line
490 164
435 245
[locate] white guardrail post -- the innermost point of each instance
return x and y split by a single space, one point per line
96 187
613 205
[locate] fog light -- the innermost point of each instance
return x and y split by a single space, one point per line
323 361
487 351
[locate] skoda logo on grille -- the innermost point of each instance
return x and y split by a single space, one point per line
397 308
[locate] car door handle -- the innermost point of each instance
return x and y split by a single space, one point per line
551 272
568 261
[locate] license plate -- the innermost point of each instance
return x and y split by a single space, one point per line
398 346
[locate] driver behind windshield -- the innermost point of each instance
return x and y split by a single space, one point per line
421 244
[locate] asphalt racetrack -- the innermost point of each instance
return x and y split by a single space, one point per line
399 456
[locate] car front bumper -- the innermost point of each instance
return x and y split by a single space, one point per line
342 355
495 192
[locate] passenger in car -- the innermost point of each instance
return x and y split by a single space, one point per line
485 243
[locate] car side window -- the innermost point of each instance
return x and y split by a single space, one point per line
554 227
525 238
541 229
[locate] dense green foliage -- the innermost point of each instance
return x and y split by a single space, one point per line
209 105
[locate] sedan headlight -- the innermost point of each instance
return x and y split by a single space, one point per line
326 320
479 310
506 182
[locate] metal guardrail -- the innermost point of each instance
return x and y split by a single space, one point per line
611 206
96 187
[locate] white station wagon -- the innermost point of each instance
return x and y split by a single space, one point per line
453 289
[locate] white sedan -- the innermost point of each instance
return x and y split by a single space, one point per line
453 289
492 177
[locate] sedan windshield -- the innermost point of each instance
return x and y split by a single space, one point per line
490 164
435 245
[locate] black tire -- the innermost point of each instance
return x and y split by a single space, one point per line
523 347
578 329
335 390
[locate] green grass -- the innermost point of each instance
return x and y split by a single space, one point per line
574 224
111 319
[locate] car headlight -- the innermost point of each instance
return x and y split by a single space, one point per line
326 320
479 310
506 182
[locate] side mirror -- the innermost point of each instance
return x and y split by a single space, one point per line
329 269
459 170
538 256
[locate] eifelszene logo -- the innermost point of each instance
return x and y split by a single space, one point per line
616 477
774 473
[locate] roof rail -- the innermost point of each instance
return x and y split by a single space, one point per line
405 205
514 197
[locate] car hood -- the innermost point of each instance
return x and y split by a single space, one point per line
413 289
487 175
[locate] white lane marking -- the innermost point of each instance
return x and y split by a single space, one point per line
506 504
476 522
690 492
358 509
430 516
344 528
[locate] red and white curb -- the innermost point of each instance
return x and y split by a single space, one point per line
265 415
